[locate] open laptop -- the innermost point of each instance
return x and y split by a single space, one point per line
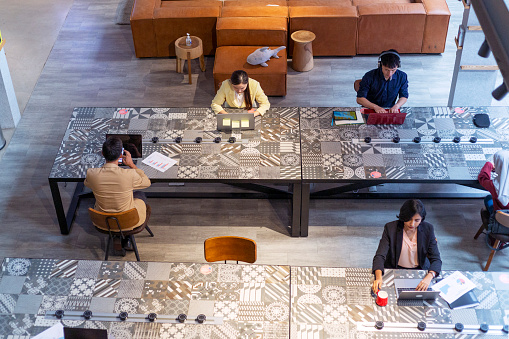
84 333
132 143
384 118
235 121
405 290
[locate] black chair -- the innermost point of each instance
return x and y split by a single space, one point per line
503 220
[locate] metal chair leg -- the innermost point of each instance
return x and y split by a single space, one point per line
481 229
135 247
149 231
487 267
107 248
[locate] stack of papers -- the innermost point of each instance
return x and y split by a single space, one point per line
453 287
159 162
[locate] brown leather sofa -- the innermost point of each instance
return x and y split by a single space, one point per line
342 27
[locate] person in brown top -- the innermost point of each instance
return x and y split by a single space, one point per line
113 186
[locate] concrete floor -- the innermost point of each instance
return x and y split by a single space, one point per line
71 54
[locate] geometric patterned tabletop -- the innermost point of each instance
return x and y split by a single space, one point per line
341 153
252 300
332 302
270 151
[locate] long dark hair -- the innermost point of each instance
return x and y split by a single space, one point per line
241 77
410 208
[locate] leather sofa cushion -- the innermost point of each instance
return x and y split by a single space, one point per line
254 3
330 3
335 28
254 11
374 2
385 26
184 3
437 24
231 58
251 31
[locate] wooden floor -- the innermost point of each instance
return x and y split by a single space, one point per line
92 63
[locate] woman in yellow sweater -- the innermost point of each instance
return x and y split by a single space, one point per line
241 92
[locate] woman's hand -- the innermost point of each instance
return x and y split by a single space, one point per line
394 109
223 112
256 113
379 109
424 284
377 284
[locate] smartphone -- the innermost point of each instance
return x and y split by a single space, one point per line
120 159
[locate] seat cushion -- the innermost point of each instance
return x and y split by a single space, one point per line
251 31
254 11
231 58
390 25
335 28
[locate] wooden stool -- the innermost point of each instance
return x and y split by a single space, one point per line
184 52
302 59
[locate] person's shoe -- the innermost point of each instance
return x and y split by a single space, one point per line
127 245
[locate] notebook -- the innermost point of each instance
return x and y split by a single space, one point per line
466 300
235 121
405 290
384 118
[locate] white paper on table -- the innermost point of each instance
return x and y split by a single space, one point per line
54 332
453 287
159 162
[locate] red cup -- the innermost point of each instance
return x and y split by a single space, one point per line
382 298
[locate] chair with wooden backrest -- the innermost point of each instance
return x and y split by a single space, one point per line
503 219
120 224
357 85
230 248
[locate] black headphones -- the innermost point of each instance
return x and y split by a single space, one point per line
389 52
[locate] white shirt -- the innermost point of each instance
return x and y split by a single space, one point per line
239 98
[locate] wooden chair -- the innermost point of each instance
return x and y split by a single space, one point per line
357 85
503 219
114 224
230 248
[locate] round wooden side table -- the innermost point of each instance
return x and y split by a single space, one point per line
184 52
302 59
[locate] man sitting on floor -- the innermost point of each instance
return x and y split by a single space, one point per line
113 186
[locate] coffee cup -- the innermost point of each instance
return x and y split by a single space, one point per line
382 298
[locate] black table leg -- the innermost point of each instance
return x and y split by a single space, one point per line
65 221
304 210
296 209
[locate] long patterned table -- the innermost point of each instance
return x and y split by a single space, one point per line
248 301
337 303
341 154
268 154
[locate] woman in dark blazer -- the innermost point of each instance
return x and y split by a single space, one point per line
409 242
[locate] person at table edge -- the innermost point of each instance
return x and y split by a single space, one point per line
113 186
380 87
408 243
240 91
499 186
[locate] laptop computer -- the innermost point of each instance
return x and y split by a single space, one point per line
405 290
84 333
132 143
384 118
235 121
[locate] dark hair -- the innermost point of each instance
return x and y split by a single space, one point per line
410 208
112 148
390 60
241 77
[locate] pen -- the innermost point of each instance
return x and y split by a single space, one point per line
332 122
